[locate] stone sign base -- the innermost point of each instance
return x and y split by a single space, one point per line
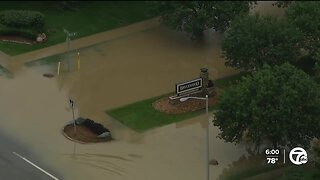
176 99
163 105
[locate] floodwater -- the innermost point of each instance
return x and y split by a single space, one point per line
266 8
118 72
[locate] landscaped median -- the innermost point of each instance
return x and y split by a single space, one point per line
85 18
141 116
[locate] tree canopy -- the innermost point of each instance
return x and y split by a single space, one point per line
252 41
305 15
196 16
317 72
279 105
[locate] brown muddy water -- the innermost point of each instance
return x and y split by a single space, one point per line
118 72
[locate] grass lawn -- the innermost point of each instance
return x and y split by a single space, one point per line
305 172
141 116
90 17
250 171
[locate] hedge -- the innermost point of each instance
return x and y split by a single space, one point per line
27 33
22 19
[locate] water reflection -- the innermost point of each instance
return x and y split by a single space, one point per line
266 8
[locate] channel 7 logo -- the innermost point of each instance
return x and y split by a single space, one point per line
298 156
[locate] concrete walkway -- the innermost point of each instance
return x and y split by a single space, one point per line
10 62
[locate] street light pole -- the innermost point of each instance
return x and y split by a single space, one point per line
68 41
74 121
207 120
207 131
71 102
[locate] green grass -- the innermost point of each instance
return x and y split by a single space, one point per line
90 17
141 116
249 172
302 173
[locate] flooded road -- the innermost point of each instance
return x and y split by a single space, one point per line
266 8
137 67
118 72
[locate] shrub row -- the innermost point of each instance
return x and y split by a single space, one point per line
27 33
22 19
95 127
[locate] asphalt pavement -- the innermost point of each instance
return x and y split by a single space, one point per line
14 165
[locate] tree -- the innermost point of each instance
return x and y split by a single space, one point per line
316 152
316 70
279 105
305 15
252 41
196 16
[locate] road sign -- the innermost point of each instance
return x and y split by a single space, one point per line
71 103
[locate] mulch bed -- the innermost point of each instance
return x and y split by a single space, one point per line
82 134
190 105
17 39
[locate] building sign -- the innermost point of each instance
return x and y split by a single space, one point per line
195 84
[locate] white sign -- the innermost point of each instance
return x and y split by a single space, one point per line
195 84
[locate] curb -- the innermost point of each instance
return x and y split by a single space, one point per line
85 41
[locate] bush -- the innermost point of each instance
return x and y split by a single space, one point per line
307 64
95 127
27 33
22 19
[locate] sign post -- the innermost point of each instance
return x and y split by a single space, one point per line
78 61
58 70
71 104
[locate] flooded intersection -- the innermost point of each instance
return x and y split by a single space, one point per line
113 74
